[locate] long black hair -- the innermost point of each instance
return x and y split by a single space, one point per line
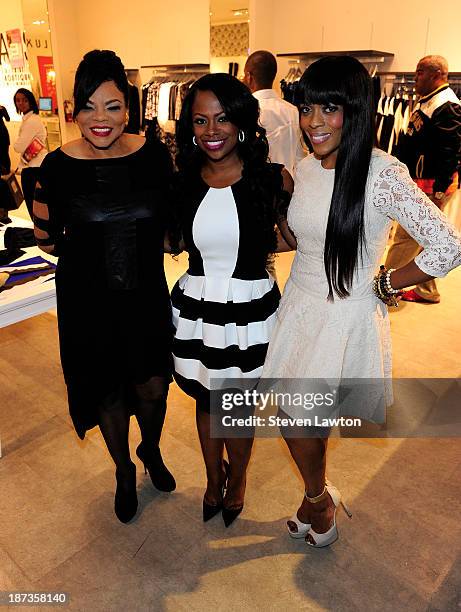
344 80
30 98
242 110
97 67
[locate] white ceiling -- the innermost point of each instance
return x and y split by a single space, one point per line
222 10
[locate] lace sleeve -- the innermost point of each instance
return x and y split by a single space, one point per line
396 195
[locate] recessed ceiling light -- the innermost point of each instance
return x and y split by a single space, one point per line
38 22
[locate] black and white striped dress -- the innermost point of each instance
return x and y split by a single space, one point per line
224 305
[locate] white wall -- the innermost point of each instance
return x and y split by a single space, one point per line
410 30
146 31
11 15
262 14
143 32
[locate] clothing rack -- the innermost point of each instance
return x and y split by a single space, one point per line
164 89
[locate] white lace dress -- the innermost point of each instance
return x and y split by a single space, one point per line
350 338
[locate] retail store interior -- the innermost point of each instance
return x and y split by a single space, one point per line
58 532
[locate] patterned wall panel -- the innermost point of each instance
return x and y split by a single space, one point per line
229 39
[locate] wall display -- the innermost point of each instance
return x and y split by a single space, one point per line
14 70
47 79
15 52
229 39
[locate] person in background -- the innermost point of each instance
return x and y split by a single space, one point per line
332 323
5 163
30 144
224 307
431 149
279 118
100 206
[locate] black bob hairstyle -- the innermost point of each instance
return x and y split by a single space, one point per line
95 68
344 80
30 97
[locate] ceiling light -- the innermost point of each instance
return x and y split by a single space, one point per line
239 12
38 22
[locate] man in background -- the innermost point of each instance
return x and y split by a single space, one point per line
431 149
279 118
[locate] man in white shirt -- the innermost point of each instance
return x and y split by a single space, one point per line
278 117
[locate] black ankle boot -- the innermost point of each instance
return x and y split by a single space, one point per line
161 477
126 500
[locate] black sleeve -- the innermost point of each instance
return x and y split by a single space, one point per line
446 124
47 218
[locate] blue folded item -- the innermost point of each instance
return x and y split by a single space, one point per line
27 270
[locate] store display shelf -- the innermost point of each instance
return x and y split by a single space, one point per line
179 67
29 299
360 54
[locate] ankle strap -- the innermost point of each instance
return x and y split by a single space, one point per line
317 498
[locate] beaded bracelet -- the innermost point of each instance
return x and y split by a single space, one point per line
383 289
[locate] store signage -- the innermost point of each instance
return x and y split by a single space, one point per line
14 68
15 51
38 43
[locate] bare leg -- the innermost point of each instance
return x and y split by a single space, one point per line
309 455
212 451
239 452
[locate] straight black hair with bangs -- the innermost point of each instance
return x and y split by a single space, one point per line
344 80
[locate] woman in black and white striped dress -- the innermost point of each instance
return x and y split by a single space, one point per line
224 306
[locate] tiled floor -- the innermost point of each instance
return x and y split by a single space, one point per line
58 532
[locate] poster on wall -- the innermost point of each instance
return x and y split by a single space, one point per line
47 78
14 42
14 70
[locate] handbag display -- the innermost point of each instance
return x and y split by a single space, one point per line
11 196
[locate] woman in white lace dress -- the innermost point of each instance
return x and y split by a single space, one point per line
330 324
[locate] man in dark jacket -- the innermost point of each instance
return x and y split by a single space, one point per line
431 149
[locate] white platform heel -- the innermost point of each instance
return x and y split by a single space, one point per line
302 528
325 539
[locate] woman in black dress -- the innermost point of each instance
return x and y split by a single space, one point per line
100 206
224 306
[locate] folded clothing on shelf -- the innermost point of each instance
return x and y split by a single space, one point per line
26 270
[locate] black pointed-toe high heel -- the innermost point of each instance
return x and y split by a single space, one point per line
230 514
161 477
126 499
211 510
